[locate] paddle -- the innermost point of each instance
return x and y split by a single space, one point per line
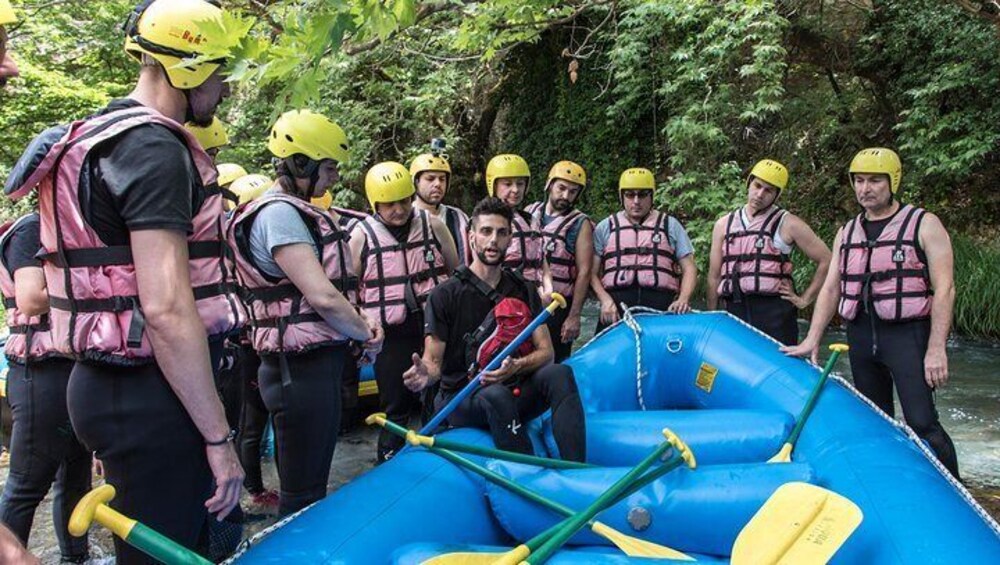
799 523
784 455
557 302
433 441
630 545
93 506
570 526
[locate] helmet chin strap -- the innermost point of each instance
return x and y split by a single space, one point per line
309 171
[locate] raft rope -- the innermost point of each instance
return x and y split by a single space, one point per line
631 321
928 453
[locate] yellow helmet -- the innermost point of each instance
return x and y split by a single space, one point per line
7 15
229 172
428 162
771 172
567 171
878 160
249 187
504 167
169 31
388 182
323 202
209 137
636 179
311 134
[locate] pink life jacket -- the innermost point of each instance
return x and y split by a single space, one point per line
348 218
561 259
751 264
524 254
281 319
890 272
640 252
30 337
398 277
458 225
95 311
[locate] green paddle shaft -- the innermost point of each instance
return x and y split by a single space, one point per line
573 524
813 397
509 455
162 548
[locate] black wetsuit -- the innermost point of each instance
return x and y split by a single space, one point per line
152 452
44 449
456 308
886 353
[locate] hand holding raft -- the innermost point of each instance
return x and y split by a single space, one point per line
785 454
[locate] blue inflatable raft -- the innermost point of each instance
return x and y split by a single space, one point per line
732 396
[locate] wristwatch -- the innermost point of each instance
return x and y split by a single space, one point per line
230 437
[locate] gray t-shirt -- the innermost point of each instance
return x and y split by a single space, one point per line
277 225
676 234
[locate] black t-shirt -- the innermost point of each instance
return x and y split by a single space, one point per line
22 245
143 179
456 308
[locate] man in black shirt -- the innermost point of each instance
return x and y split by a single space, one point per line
523 387
141 394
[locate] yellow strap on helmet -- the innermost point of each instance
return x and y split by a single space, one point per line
388 182
636 179
323 202
879 160
771 172
567 171
503 167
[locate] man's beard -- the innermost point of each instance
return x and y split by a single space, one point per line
488 262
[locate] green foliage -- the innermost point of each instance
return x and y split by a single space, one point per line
977 288
695 90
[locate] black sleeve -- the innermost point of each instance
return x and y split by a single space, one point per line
534 301
22 246
436 313
151 179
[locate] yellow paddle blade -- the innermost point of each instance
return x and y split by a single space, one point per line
512 557
635 547
783 456
801 524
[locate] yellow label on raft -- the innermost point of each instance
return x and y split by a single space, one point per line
706 377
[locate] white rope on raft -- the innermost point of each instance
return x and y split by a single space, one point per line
629 319
907 430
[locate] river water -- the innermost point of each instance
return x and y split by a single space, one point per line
969 407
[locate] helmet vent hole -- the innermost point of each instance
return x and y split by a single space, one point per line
289 138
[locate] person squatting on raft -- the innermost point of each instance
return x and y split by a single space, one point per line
141 395
401 254
507 178
894 286
295 270
642 257
44 447
466 318
750 265
569 249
